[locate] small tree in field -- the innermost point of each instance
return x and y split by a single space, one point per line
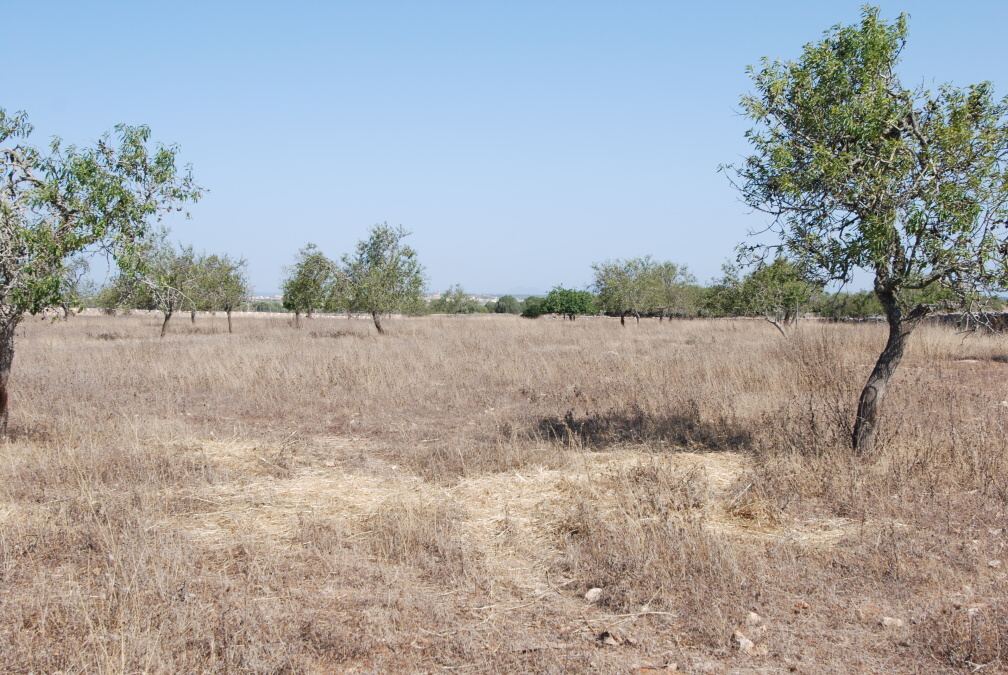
171 279
568 303
382 275
225 280
776 292
625 286
507 304
308 283
61 201
858 171
670 289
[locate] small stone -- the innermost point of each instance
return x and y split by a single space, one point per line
994 564
753 619
744 644
593 595
889 622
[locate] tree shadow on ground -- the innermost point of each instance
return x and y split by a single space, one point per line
682 428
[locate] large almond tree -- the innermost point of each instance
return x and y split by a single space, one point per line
59 201
858 171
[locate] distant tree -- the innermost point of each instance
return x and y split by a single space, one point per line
308 285
383 275
669 289
170 276
508 304
456 301
225 281
569 303
847 305
532 307
626 286
61 201
776 292
859 172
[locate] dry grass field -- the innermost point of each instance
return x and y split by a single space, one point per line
444 497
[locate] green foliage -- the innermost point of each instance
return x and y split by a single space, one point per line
456 301
532 307
508 304
223 282
670 289
844 305
858 171
568 303
625 286
644 286
383 274
67 200
776 291
308 284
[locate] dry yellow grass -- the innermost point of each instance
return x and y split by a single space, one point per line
444 497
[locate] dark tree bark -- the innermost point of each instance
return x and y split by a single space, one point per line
622 319
637 316
7 329
866 423
192 315
228 312
376 317
297 319
164 324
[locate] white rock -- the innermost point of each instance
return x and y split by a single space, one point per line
753 619
994 563
593 595
744 644
889 622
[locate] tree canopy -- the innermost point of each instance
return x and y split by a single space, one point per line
858 171
382 275
308 283
568 303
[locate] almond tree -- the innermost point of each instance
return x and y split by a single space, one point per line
308 283
383 275
858 171
225 283
671 289
624 286
61 200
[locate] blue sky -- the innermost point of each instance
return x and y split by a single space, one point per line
518 141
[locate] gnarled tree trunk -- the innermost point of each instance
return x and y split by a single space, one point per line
867 421
228 312
376 317
164 324
622 319
7 329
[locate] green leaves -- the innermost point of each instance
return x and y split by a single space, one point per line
858 171
70 200
643 285
568 302
383 274
309 281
